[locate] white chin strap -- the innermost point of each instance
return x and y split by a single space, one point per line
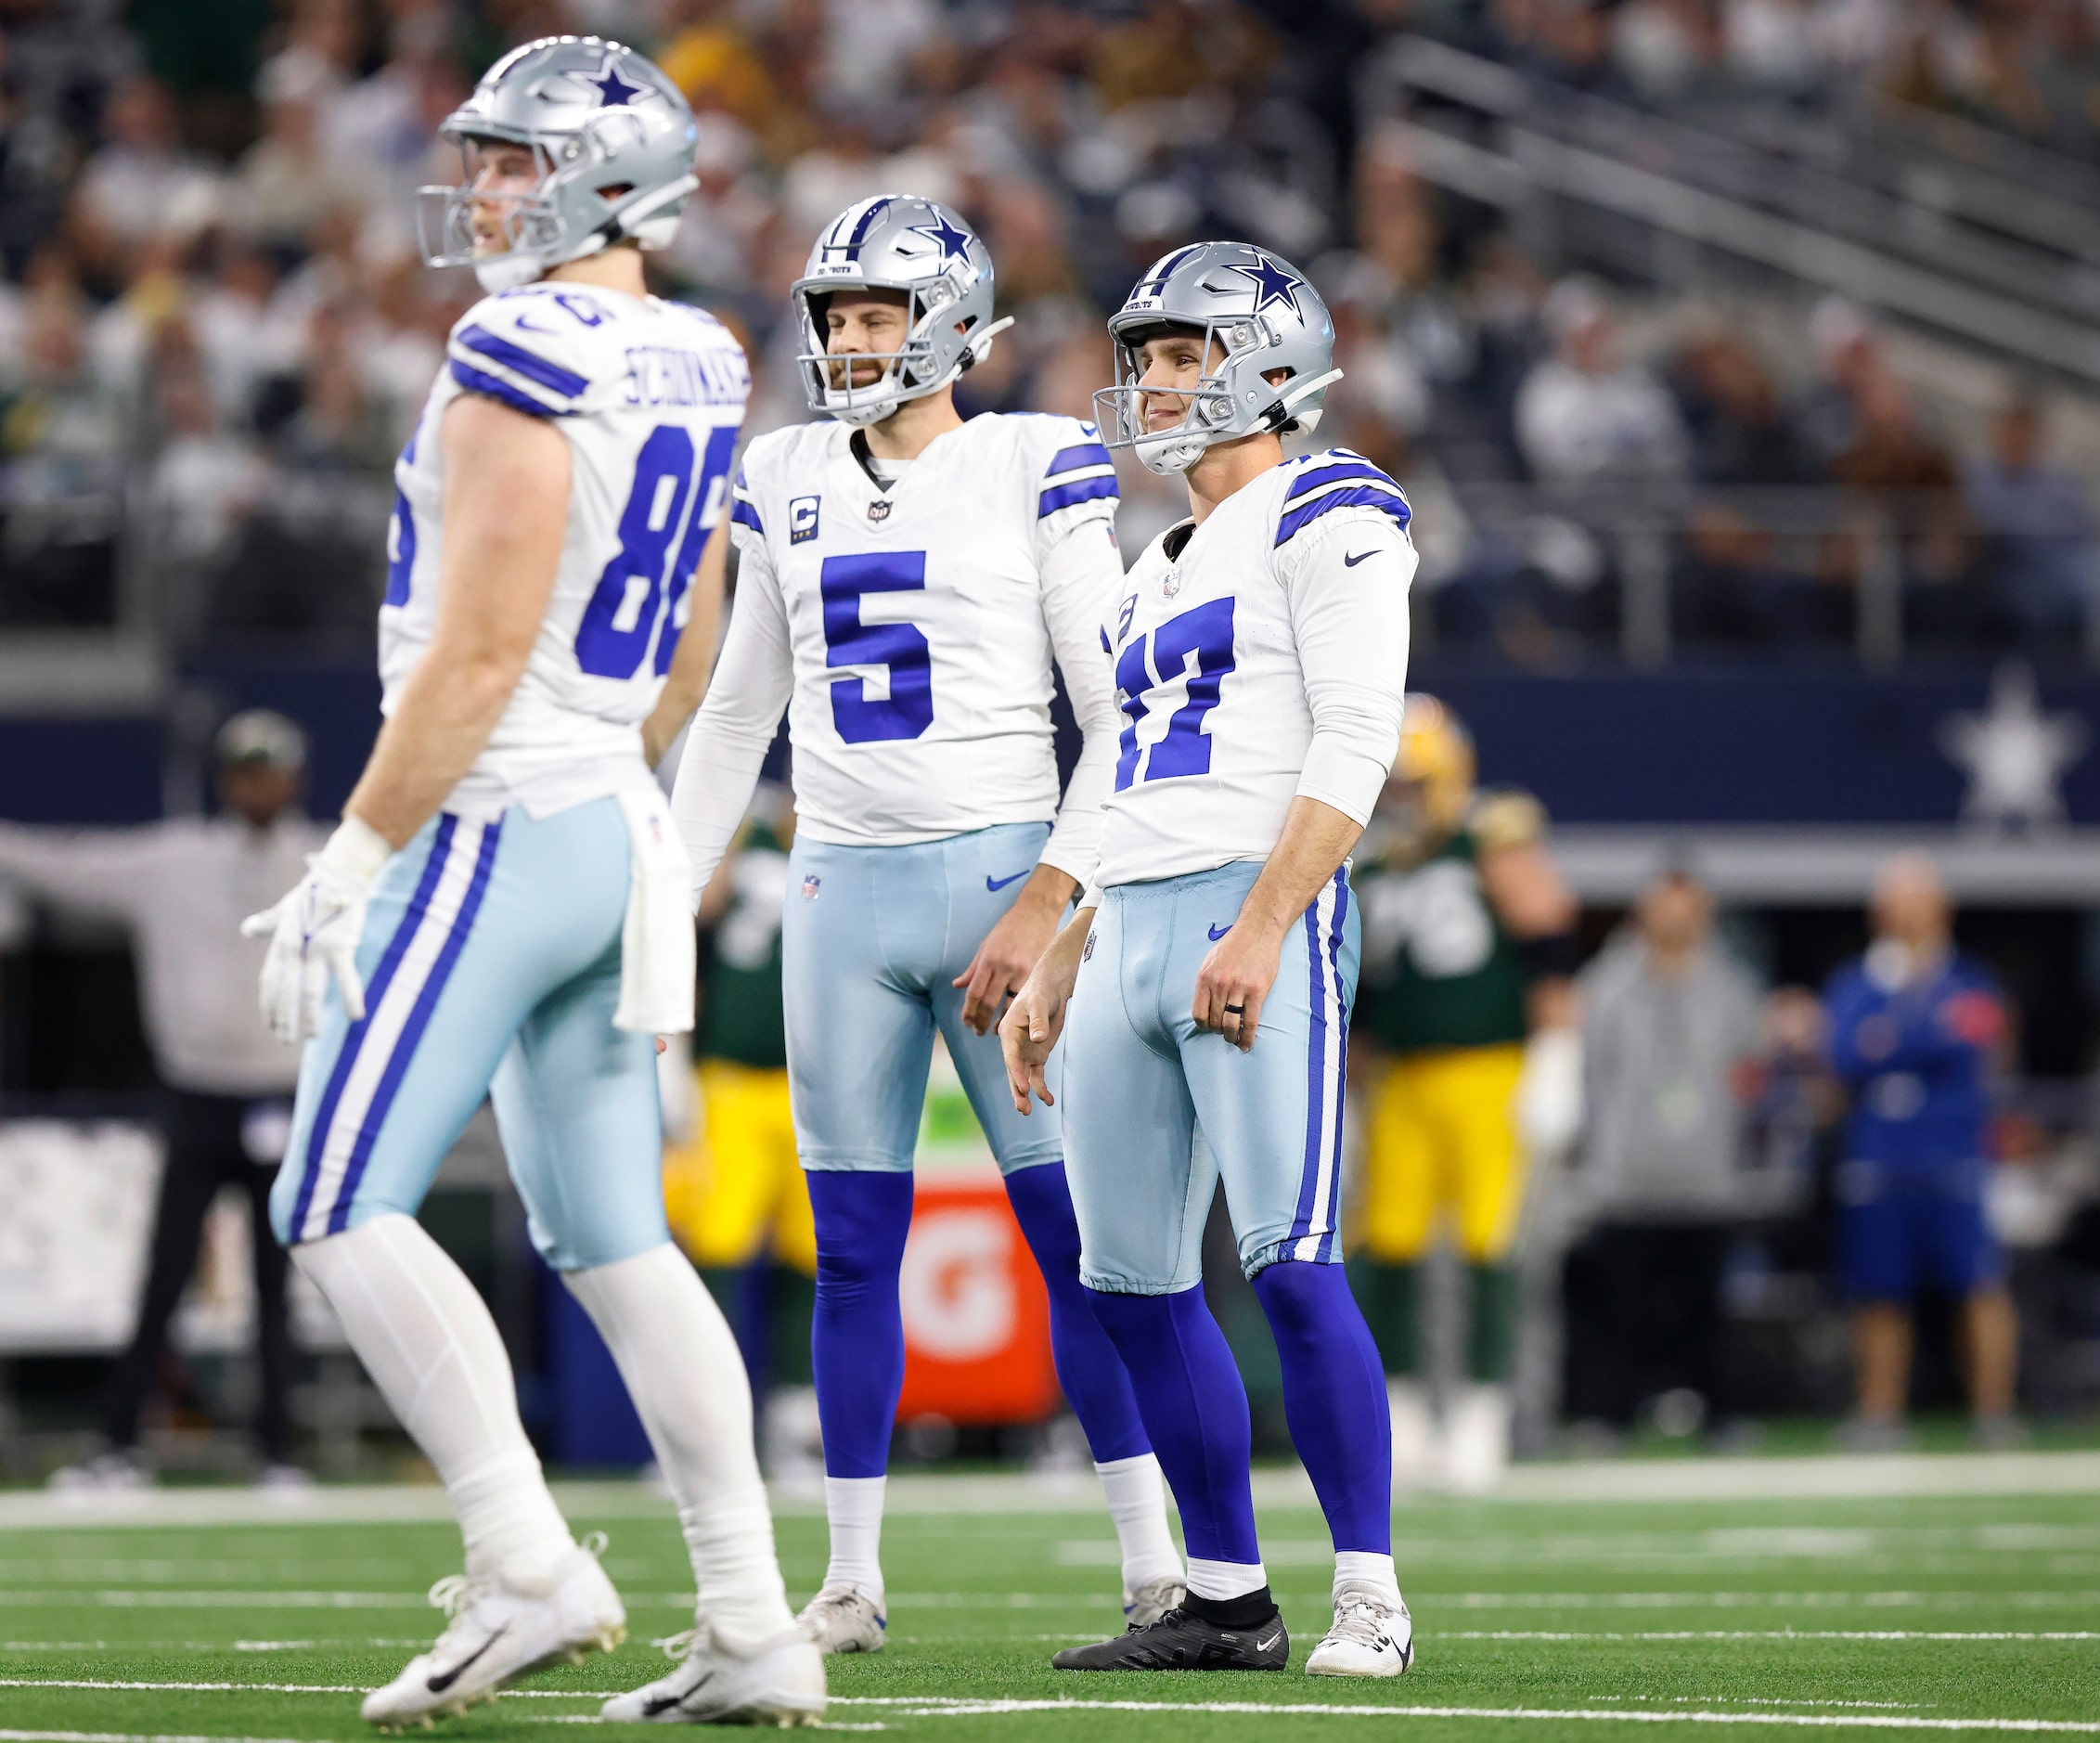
652 223
1175 450
864 412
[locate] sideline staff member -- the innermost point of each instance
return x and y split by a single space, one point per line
183 887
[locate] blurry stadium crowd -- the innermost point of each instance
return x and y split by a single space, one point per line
214 328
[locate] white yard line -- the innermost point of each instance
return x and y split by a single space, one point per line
1836 1477
263 1688
125 1736
919 1708
1761 1633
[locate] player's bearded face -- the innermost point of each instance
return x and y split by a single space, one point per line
861 331
503 176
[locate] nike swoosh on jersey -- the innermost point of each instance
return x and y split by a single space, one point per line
1218 932
438 1685
1350 562
999 883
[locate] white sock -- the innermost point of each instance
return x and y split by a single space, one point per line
680 1363
1137 1502
853 1507
427 1340
1223 1580
1360 1567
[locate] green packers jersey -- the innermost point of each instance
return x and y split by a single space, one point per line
740 966
1438 970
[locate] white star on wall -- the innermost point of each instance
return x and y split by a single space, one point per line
2015 756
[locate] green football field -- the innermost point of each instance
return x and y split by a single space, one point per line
1762 1596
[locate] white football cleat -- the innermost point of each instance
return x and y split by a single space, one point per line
782 1684
1370 1636
1144 1606
840 1618
499 1632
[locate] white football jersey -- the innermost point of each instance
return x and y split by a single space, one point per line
909 630
1260 656
650 395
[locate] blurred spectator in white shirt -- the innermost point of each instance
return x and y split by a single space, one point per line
141 182
1585 415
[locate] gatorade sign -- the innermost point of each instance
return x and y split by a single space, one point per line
976 1320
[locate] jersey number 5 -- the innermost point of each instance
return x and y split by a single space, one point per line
669 515
1153 661
909 709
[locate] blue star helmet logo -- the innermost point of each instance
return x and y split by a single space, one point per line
954 244
613 91
1271 283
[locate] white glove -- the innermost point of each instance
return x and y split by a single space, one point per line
313 933
1549 1096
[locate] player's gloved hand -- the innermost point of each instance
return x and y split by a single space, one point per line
313 933
1549 1095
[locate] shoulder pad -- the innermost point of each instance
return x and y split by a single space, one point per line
533 348
1075 466
1340 478
1504 818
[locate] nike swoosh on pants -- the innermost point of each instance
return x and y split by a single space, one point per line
1218 932
996 884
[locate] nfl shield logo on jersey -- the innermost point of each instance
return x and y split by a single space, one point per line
1170 584
802 519
879 510
810 886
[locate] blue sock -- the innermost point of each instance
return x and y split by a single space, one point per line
1194 1409
857 1334
1333 1399
1092 1375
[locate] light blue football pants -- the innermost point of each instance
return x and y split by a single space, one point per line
1140 1079
491 960
870 943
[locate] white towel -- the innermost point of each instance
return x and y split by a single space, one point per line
656 941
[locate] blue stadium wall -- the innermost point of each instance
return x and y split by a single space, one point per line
1713 748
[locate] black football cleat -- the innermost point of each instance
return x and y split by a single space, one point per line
1178 1641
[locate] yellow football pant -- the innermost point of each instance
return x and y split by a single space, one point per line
737 1191
1442 1135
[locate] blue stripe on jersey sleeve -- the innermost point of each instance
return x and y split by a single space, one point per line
551 376
1351 468
1356 496
1085 490
1082 453
474 381
743 515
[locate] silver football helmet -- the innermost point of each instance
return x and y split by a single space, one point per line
1259 315
896 242
615 140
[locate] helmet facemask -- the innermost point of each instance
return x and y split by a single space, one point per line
535 233
907 374
1230 399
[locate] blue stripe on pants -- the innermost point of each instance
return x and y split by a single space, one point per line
412 1030
397 947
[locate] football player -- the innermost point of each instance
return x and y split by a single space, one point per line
1259 649
1469 942
502 911
907 580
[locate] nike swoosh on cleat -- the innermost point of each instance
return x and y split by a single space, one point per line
438 1685
1350 562
1263 1645
1218 932
999 883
